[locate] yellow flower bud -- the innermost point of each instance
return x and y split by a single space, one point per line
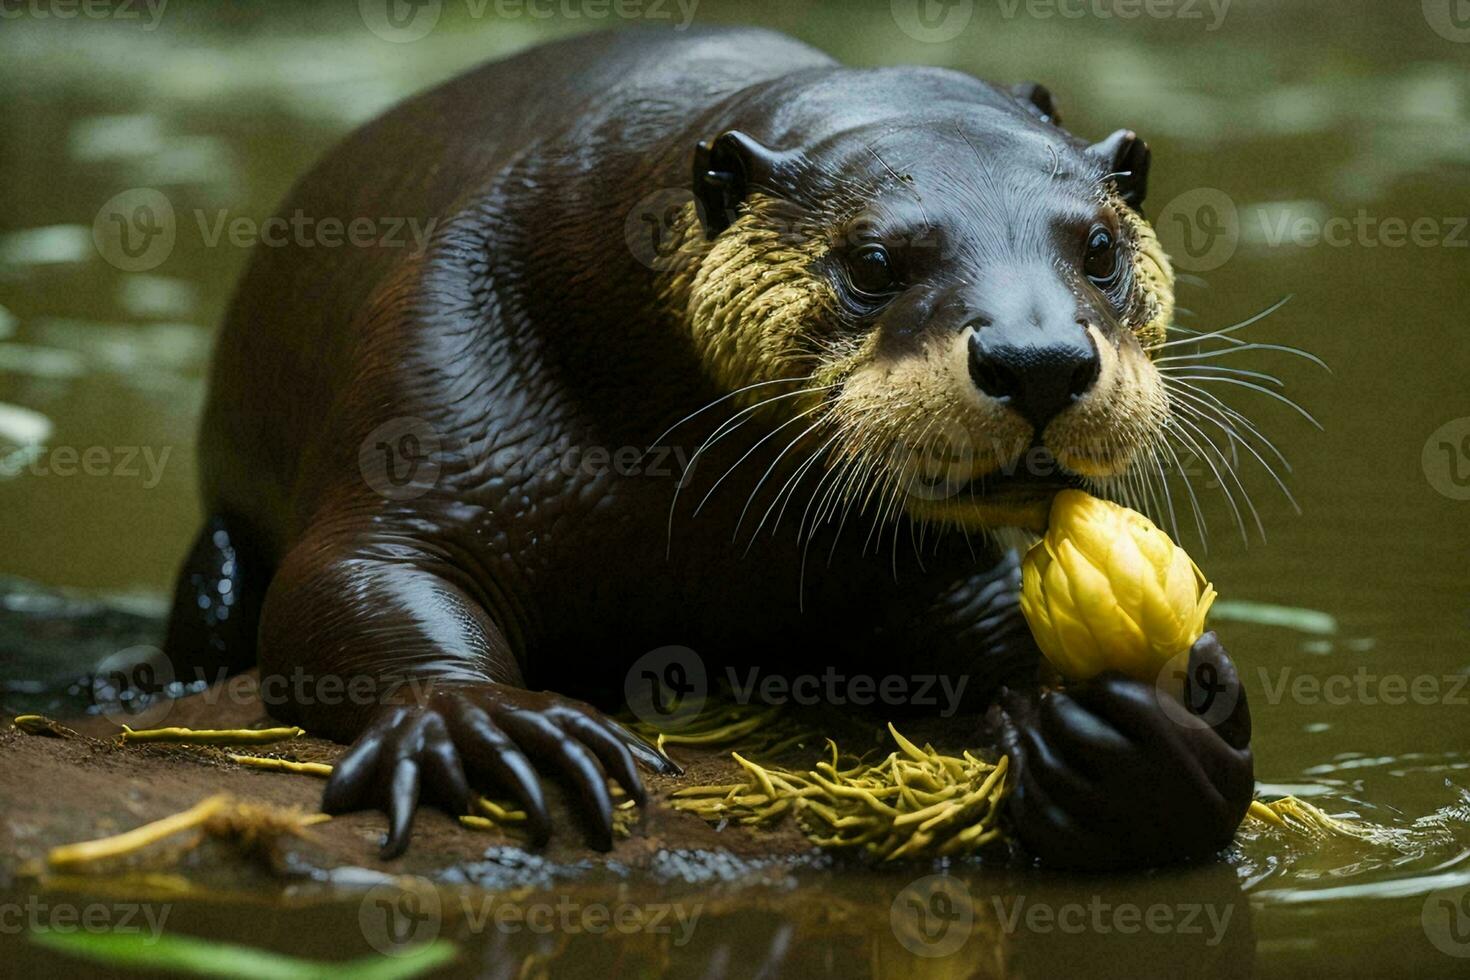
1105 589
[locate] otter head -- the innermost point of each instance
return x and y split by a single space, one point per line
946 296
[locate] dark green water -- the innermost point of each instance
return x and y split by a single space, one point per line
1316 150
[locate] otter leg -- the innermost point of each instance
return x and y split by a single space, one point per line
1106 776
216 608
377 643
1109 777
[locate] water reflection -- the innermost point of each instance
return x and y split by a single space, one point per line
1373 115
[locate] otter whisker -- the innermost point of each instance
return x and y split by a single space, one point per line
766 475
760 442
1241 346
1199 514
1208 402
723 398
919 450
839 475
1254 387
811 536
1259 458
832 473
1213 419
916 540
1223 331
1174 369
789 490
1125 487
1168 496
1236 345
1139 490
889 494
1231 470
1151 466
1195 451
862 470
846 476
725 429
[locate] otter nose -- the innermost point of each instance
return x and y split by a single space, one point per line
1039 380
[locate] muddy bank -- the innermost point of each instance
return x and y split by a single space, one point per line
57 790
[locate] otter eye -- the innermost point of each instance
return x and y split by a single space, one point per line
1101 261
871 271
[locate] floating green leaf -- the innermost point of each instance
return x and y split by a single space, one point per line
186 954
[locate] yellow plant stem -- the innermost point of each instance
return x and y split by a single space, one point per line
320 769
87 852
205 736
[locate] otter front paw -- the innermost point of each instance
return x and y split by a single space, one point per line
494 738
1111 776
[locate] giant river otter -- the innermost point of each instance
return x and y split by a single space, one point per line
891 311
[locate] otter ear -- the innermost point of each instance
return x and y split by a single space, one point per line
1125 158
1037 99
725 170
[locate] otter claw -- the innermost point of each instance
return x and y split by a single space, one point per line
577 766
492 737
651 757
